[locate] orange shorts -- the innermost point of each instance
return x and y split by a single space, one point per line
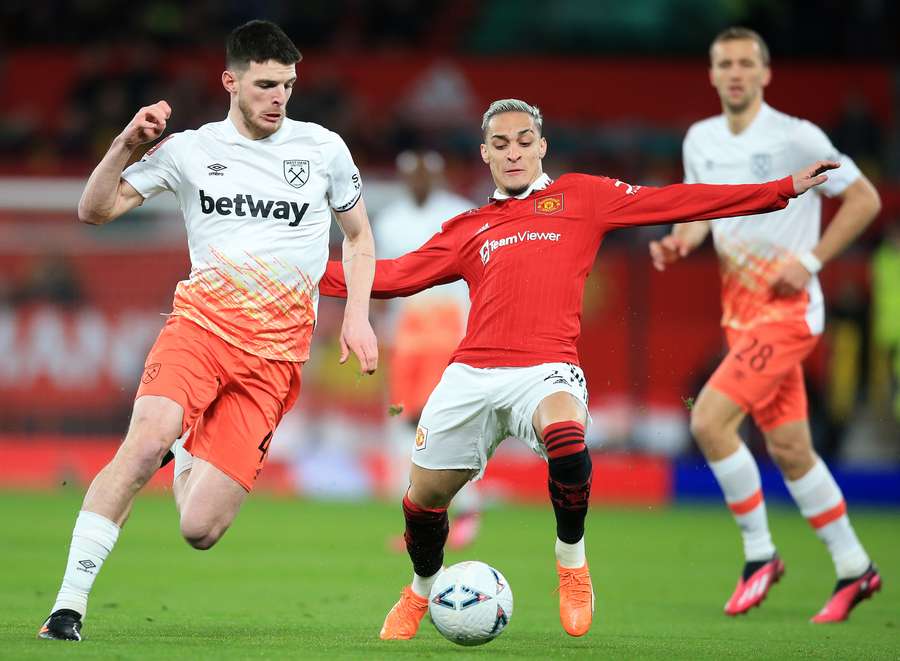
232 400
763 372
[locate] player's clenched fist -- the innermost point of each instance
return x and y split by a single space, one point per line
147 125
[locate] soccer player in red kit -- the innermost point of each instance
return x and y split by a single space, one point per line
525 257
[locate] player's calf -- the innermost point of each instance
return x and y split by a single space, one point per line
426 534
570 470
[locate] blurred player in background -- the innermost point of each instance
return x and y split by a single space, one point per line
773 314
257 191
525 256
425 328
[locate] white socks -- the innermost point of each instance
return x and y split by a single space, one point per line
422 585
820 500
738 476
92 539
571 556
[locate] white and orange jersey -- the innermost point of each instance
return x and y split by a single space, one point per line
751 251
258 215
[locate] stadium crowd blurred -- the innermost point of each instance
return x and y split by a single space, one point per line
98 64
114 68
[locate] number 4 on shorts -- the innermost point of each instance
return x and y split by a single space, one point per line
264 447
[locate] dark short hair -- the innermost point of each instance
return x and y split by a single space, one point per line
735 33
259 41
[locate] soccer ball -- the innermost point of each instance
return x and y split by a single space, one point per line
470 603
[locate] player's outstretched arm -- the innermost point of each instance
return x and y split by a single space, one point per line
435 263
683 240
359 271
106 195
624 205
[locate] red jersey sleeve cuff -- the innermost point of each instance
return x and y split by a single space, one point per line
332 282
786 187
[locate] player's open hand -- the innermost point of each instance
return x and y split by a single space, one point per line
147 125
791 279
357 336
667 250
813 175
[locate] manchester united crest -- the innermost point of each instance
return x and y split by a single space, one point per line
549 204
296 172
421 438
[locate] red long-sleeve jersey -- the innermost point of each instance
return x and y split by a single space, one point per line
526 260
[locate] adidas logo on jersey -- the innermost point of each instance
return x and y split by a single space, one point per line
246 205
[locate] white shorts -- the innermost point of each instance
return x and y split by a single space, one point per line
473 409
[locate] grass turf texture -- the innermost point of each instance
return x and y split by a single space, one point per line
299 579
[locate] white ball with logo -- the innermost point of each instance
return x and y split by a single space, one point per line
470 603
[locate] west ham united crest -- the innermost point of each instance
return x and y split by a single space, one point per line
296 172
761 165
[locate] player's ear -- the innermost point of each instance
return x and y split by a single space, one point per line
543 147
229 81
484 153
767 76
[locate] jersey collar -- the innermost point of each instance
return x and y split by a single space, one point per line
538 184
764 110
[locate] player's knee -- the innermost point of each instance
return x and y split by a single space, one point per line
199 533
704 426
147 444
431 497
138 459
789 457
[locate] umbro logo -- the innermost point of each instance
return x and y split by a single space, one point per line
86 566
216 169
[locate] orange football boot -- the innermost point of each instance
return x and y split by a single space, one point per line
402 622
576 599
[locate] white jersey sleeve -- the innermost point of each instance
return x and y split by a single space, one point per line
811 144
158 170
344 183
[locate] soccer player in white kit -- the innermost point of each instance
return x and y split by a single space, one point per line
257 191
425 328
773 314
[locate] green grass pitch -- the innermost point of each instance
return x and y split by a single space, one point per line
306 580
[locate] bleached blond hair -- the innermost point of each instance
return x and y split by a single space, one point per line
512 105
